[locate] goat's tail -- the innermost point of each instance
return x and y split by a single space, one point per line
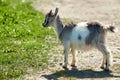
110 28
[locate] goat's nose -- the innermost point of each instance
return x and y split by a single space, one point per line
43 24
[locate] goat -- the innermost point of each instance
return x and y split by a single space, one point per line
84 35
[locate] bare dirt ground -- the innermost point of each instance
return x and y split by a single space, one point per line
105 11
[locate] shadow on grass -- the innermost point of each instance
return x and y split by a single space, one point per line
79 74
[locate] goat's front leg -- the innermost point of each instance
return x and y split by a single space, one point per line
74 52
66 51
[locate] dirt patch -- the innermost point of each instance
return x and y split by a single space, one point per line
105 11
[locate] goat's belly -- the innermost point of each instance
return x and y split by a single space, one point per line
80 45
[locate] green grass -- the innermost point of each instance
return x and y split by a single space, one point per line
22 39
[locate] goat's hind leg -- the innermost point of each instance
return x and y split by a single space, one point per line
103 61
106 56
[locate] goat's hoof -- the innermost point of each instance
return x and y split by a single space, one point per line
64 67
73 65
61 64
102 67
107 70
75 68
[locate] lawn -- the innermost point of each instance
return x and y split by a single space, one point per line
22 39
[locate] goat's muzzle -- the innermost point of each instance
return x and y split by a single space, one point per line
44 25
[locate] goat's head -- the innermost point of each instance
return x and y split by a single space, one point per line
49 18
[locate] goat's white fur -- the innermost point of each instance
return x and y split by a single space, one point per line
82 30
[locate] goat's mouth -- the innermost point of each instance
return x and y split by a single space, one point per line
44 25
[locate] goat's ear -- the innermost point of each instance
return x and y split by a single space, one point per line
56 11
50 12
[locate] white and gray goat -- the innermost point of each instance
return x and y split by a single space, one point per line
84 36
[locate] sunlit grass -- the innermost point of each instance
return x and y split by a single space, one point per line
22 39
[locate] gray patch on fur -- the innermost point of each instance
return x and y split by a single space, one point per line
96 30
66 32
79 37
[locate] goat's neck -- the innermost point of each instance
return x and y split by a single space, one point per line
58 25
